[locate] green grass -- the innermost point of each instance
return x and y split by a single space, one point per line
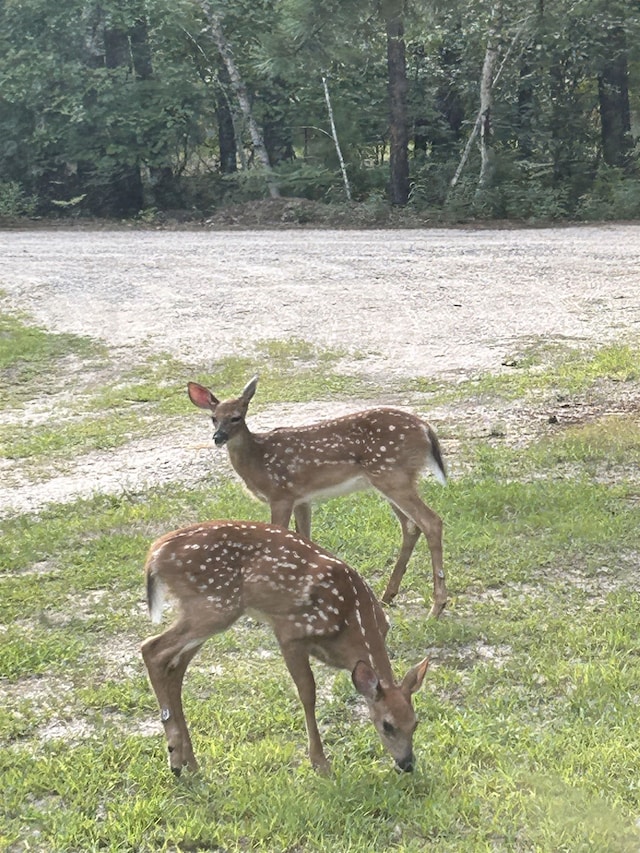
530 709
34 362
529 718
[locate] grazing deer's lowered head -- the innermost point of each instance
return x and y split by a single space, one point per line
288 468
316 605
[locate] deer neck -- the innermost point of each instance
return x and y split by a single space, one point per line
372 628
241 443
245 454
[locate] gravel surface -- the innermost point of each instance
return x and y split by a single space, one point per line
439 303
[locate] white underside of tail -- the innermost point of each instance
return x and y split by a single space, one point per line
436 470
156 599
433 466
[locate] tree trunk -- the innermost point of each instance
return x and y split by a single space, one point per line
116 48
336 141
162 180
240 91
483 120
398 115
525 113
226 125
140 49
613 95
529 80
486 105
123 193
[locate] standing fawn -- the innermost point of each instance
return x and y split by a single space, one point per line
316 605
384 448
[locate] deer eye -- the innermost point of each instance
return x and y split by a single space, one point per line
214 421
235 419
388 728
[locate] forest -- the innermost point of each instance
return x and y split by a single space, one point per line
485 109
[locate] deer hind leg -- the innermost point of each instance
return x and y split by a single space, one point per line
410 535
167 657
407 500
297 661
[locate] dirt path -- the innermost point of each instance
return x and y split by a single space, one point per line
413 303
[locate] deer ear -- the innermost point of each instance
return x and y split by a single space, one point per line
201 396
366 681
249 389
412 682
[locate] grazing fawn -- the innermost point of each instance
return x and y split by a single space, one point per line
316 605
383 448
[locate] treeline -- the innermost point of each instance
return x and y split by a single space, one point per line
459 109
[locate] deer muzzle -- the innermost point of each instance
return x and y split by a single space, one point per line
405 764
220 437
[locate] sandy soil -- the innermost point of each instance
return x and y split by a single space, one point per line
434 303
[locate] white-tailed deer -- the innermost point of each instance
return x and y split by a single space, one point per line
386 449
316 605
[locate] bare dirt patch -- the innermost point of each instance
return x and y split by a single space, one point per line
433 303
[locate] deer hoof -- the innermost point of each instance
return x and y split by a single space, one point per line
322 767
436 609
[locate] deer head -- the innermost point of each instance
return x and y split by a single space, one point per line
228 417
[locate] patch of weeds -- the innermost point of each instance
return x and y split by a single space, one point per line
31 650
160 381
608 442
20 721
569 372
71 438
588 448
290 371
32 360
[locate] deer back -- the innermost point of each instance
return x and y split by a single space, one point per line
226 568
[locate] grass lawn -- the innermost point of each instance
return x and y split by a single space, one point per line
530 711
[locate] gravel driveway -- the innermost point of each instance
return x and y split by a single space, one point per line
416 302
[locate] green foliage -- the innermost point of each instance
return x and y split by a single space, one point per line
614 195
14 202
116 110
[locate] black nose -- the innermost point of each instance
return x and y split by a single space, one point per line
405 764
220 437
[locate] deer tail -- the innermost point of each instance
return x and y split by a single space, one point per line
435 463
155 595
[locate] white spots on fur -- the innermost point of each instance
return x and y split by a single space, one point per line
286 581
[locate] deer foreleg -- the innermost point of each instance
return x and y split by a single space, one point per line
281 511
297 661
302 514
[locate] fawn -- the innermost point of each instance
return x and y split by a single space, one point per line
316 605
287 468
